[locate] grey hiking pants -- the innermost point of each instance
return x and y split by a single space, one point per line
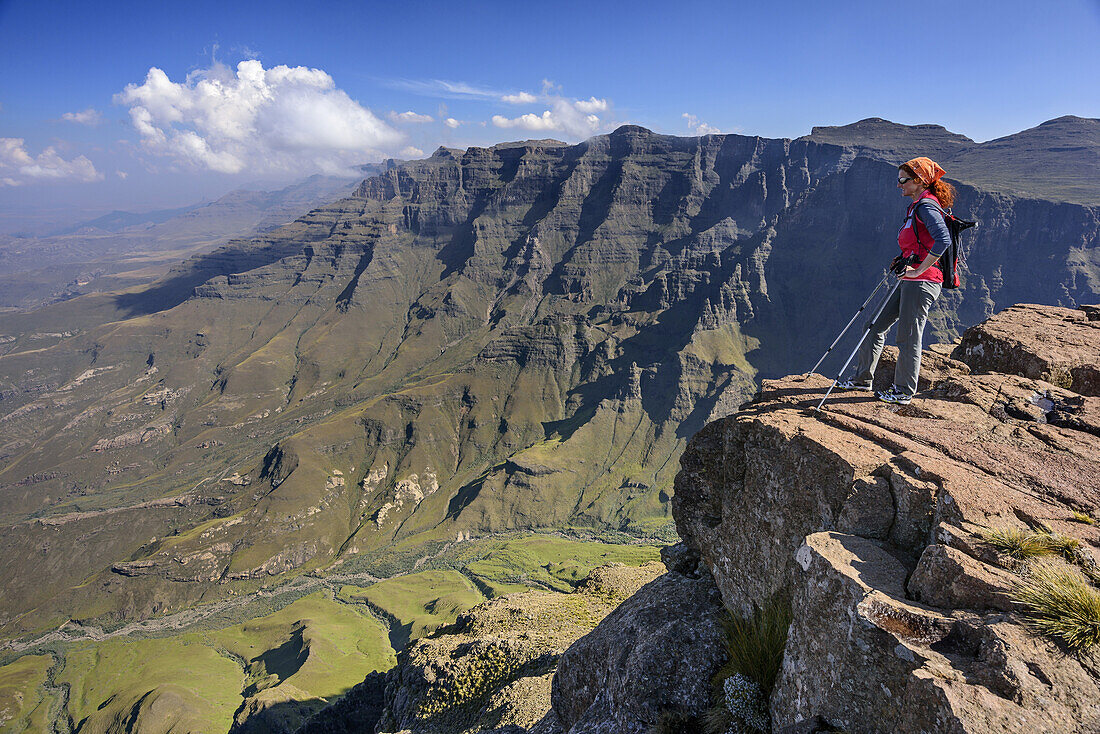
909 306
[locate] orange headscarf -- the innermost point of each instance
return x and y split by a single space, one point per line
926 169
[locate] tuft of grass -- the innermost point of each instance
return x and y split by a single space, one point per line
1019 544
717 719
1065 546
1083 518
755 644
754 648
1059 602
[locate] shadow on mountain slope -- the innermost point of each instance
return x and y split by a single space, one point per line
180 283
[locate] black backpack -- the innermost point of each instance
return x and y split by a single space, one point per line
949 259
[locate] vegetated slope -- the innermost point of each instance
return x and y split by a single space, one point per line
875 137
1056 160
520 337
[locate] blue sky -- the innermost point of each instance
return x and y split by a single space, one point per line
495 70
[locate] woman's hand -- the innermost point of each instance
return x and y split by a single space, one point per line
914 272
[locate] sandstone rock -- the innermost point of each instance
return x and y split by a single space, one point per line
656 652
867 660
947 577
1042 342
934 366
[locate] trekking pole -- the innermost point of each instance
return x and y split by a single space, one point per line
866 331
845 329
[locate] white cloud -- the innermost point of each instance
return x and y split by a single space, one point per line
122 174
451 123
592 104
528 122
700 128
409 117
521 98
256 120
86 117
17 165
412 152
572 117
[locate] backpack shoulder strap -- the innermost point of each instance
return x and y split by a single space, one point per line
935 207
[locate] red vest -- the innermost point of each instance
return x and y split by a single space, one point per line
909 244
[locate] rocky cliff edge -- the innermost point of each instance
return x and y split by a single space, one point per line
875 521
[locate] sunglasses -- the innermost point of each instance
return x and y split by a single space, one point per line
907 179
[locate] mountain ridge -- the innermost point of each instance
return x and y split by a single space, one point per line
508 339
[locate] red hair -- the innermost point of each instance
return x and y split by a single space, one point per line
942 190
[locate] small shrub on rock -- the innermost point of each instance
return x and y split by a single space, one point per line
1083 518
1060 602
747 704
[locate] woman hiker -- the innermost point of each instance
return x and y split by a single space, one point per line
923 233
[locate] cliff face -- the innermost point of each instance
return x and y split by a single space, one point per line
508 338
879 525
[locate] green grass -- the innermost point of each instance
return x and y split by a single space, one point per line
1060 602
24 707
1019 544
110 678
755 644
419 603
1065 546
1083 518
552 562
312 649
327 646
754 648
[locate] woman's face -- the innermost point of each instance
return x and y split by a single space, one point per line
909 184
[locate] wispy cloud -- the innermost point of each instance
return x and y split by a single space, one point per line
17 166
89 116
698 126
444 88
452 122
412 152
256 120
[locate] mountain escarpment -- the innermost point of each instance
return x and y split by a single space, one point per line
509 338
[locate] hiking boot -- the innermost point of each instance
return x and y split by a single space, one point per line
894 396
853 385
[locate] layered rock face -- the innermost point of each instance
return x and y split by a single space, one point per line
490 340
874 521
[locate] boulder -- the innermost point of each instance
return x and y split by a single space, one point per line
656 653
1042 342
866 659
